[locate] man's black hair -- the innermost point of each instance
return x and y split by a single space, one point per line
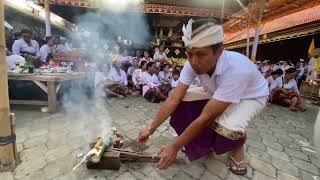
48 38
163 66
277 72
176 72
142 63
26 31
291 70
149 65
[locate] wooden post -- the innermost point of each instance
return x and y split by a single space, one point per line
47 17
52 97
260 7
7 152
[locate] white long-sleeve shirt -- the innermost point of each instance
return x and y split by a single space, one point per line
44 51
137 77
150 81
13 59
278 82
291 86
21 46
162 77
157 56
122 77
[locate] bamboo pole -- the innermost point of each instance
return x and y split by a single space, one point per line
47 18
7 157
248 41
260 7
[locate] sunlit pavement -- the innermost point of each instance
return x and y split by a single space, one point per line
279 144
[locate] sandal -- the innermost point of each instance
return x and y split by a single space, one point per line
183 149
235 168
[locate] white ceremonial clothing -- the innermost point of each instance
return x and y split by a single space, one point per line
44 51
235 78
137 76
162 76
278 82
157 56
12 60
150 81
174 83
291 86
121 78
21 46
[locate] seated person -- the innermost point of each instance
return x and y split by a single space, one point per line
62 45
137 76
104 83
138 55
13 60
175 79
120 76
286 93
135 65
46 50
274 75
153 91
27 46
160 56
124 59
146 57
165 75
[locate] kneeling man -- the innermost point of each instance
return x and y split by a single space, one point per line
237 91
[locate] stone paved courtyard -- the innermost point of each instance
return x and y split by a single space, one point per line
278 145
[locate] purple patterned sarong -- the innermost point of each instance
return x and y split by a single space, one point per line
208 140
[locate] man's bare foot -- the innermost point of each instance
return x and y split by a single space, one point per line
135 94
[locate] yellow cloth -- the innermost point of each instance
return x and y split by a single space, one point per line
311 47
317 65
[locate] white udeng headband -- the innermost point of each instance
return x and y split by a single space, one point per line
209 34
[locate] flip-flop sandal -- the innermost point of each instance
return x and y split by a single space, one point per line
236 165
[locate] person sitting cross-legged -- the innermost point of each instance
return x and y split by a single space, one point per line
175 79
137 77
165 75
153 90
285 91
104 83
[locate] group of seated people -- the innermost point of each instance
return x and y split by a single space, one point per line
26 47
283 85
153 79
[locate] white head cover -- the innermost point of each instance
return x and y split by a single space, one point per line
206 35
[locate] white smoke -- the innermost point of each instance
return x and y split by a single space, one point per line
97 36
119 5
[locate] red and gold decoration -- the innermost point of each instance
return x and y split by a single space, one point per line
146 8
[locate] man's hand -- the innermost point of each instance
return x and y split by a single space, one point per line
144 135
168 156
